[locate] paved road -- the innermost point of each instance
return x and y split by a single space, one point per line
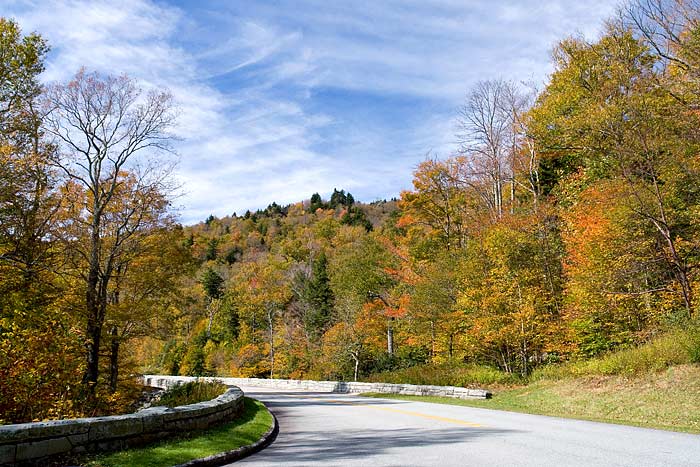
342 430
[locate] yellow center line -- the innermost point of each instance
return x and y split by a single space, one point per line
404 412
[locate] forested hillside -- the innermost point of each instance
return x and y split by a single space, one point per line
566 224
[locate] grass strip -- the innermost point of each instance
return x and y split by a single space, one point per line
253 422
668 400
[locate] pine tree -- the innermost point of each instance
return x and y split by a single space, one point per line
319 296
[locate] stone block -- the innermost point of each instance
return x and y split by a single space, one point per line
121 426
79 439
152 422
7 454
42 448
39 430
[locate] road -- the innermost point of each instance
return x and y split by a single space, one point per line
342 430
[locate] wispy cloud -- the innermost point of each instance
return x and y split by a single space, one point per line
281 100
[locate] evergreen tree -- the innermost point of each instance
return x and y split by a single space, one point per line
319 297
211 252
316 203
338 198
356 216
213 284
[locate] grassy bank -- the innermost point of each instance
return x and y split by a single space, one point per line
247 429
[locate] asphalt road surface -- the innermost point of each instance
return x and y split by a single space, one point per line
343 430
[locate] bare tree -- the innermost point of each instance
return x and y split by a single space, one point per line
663 24
487 134
102 126
669 28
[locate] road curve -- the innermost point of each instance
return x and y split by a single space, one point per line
342 430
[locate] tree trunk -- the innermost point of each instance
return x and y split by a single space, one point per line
356 357
390 337
114 360
94 323
270 318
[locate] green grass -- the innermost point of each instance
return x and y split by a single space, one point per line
191 393
253 422
668 400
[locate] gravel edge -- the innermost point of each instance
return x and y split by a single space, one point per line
238 454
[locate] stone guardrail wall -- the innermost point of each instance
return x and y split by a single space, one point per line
332 386
29 443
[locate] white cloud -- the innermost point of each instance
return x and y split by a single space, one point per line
249 79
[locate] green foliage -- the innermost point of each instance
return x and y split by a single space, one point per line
316 203
194 359
676 347
213 284
318 295
211 253
191 393
233 255
356 216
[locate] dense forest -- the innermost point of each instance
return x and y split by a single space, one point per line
565 225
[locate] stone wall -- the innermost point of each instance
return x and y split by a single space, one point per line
333 386
29 443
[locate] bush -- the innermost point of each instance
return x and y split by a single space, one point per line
676 347
191 393
447 374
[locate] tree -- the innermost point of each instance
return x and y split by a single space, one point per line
603 116
38 343
144 290
354 215
28 200
510 294
213 284
488 137
433 301
438 203
316 203
318 295
102 125
359 276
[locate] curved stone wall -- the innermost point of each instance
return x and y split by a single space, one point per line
332 386
29 443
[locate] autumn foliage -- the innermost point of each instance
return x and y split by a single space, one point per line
566 224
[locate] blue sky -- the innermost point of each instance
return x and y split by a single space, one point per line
282 99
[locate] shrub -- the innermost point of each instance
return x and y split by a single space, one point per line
676 347
191 393
447 374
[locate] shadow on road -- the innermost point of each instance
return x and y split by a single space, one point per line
301 446
338 445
